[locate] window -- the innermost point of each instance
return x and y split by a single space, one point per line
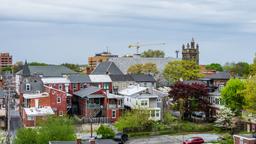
113 114
74 87
58 99
99 85
60 113
152 113
30 118
105 86
28 88
60 87
157 113
144 103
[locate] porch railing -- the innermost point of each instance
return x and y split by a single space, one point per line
98 120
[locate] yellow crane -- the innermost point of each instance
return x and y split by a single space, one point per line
138 45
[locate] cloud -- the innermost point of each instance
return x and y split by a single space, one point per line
236 13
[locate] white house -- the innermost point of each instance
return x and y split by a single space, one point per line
137 97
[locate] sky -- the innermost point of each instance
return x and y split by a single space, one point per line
59 31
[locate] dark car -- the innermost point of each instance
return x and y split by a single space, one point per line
121 138
194 140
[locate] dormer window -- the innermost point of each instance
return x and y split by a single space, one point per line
28 88
60 87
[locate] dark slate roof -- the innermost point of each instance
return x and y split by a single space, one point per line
143 78
36 85
194 81
79 78
49 71
107 67
219 76
98 141
118 78
87 91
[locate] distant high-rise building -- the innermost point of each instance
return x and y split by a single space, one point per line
98 58
5 60
191 51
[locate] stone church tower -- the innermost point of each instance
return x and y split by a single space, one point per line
191 51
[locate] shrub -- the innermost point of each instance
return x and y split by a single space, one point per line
106 132
168 118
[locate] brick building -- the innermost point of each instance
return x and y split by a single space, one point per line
5 60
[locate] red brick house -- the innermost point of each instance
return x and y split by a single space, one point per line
94 102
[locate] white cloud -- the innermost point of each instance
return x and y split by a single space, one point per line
238 12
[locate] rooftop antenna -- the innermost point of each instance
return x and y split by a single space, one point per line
177 54
107 49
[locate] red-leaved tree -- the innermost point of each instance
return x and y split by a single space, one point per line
194 97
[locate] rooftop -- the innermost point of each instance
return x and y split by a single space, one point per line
53 80
79 78
107 67
131 90
85 92
39 111
100 78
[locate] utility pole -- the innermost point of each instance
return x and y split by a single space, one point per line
177 54
8 117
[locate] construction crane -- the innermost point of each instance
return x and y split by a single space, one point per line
138 45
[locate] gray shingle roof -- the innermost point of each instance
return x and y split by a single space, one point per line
143 78
49 71
219 76
123 63
87 91
79 78
107 68
36 85
119 78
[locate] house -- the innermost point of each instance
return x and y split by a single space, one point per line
94 102
120 82
215 83
52 71
107 68
244 139
101 81
137 97
144 80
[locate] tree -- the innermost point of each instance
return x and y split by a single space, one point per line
52 129
153 53
185 70
214 66
135 69
241 69
147 68
74 67
192 97
250 95
232 95
56 129
26 136
253 67
17 66
37 64
134 119
106 132
224 118
6 69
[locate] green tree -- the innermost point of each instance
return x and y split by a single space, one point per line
56 129
37 64
241 69
185 70
6 69
253 67
17 66
26 136
250 95
153 53
232 95
106 132
214 66
147 68
134 119
74 67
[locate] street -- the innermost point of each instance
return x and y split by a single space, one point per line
177 139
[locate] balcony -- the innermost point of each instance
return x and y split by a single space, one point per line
93 106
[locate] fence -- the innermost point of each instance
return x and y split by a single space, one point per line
96 120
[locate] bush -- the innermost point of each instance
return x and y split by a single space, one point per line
168 118
106 132
26 136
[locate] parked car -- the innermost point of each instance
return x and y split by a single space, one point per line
121 138
194 140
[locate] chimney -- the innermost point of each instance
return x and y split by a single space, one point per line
92 141
78 141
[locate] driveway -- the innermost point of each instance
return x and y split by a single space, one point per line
177 139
